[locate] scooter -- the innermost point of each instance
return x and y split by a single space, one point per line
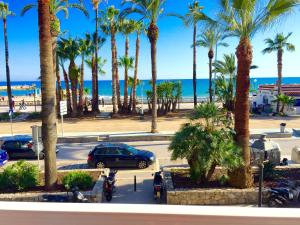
285 194
158 187
77 196
109 185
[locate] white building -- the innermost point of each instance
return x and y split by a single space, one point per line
263 101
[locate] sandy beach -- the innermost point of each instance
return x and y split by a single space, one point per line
168 123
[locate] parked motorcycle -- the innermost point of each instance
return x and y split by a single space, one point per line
285 194
158 187
77 196
109 185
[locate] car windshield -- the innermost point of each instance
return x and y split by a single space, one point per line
132 149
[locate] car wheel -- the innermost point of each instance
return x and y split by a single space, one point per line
100 165
142 164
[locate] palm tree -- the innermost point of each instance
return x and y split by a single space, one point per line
225 85
279 44
139 28
49 134
127 63
95 102
151 11
72 51
192 18
101 63
110 26
55 7
91 38
131 86
285 101
4 13
84 48
126 27
243 19
86 92
210 39
62 57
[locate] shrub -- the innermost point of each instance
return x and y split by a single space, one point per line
224 179
205 144
19 176
79 179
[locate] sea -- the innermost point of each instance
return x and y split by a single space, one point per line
105 87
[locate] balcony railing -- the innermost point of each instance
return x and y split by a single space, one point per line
24 213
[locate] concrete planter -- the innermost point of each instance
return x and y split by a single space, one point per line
209 196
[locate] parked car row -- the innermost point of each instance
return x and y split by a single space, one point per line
103 155
19 147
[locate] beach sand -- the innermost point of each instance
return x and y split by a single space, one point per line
165 124
169 123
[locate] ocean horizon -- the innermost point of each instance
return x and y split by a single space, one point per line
105 86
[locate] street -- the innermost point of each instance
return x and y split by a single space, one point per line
74 156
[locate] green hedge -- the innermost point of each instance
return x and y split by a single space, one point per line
19 176
79 179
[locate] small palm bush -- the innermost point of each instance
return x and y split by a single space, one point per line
79 179
19 176
206 143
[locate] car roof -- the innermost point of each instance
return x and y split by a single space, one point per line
110 144
16 138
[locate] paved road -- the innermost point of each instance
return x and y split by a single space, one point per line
160 148
80 151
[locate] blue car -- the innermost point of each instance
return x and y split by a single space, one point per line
3 157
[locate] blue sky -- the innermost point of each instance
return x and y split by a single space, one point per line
174 55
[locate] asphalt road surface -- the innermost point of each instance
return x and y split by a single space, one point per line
160 148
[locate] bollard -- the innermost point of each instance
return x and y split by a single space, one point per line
261 178
135 183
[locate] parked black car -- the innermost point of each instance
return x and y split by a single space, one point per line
119 155
21 147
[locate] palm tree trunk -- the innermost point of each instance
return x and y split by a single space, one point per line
125 106
153 35
81 86
67 90
95 105
117 78
244 56
8 84
279 67
73 79
137 49
114 84
56 70
59 89
49 135
130 100
195 64
93 80
210 56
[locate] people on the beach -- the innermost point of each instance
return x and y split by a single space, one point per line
102 101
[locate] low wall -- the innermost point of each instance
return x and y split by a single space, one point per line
205 196
79 139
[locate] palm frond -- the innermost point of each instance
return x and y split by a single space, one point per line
27 8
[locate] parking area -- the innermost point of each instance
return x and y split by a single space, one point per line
74 156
